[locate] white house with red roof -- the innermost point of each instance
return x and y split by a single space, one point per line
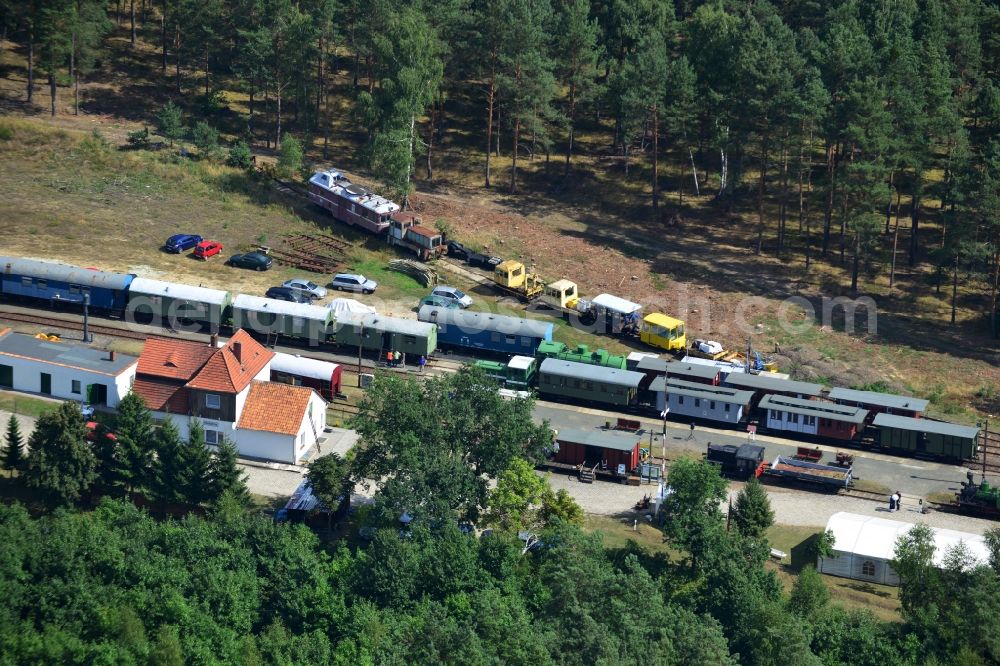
228 389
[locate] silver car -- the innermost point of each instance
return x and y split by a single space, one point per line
304 286
452 295
352 282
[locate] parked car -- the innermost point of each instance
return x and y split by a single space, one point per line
206 249
352 282
438 302
286 294
255 260
305 286
180 242
453 295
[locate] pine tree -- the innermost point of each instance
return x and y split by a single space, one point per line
169 123
752 514
576 52
135 443
109 459
227 479
167 481
196 472
61 465
13 449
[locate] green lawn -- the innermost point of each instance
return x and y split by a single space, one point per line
23 405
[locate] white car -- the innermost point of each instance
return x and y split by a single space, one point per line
452 294
352 282
304 286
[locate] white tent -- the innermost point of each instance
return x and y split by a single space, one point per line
346 308
864 545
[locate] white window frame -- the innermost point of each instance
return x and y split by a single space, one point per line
212 436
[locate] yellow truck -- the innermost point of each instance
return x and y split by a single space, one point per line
663 332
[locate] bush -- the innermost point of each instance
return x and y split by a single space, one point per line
139 140
206 138
169 123
290 158
6 132
240 156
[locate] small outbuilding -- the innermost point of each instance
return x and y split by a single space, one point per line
865 545
609 448
64 369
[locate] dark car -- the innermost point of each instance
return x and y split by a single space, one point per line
286 294
254 260
457 250
180 242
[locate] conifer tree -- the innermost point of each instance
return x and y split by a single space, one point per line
196 471
226 476
13 448
61 465
135 443
752 514
167 480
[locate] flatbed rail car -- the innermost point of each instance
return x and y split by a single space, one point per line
791 469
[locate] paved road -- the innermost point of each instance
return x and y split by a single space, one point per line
911 476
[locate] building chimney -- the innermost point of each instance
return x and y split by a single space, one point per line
214 340
238 352
112 355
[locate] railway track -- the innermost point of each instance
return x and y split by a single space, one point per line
54 323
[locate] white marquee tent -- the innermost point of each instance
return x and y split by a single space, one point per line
864 545
347 308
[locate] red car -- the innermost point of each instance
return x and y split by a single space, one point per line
206 249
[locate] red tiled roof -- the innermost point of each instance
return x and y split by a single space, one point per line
162 395
225 373
275 407
173 359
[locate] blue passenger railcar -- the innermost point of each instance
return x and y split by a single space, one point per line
44 281
487 331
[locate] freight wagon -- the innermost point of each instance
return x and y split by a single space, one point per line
925 437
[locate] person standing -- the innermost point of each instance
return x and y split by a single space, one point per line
388 358
421 363
892 502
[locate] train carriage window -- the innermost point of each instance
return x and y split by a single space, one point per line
526 341
510 339
697 402
588 385
793 418
726 407
494 337
775 415
26 282
680 400
42 284
75 289
410 339
868 568
576 383
298 324
711 404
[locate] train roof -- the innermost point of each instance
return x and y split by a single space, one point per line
606 439
879 399
48 270
820 408
692 370
476 322
660 319
610 302
336 182
925 425
521 362
272 305
302 366
766 383
175 290
561 285
595 373
393 325
696 390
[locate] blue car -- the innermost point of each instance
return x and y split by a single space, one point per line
180 242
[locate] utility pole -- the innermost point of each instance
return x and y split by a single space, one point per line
86 317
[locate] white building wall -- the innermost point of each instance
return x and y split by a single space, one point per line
858 567
264 445
27 376
265 373
241 400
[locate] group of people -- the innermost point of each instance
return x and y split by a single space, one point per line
395 359
894 500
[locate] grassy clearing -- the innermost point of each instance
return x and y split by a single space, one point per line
17 403
617 532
